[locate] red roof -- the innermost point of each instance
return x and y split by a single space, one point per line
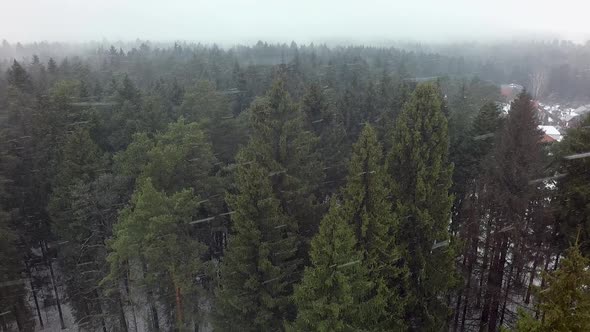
547 139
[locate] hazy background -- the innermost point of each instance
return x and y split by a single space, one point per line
246 21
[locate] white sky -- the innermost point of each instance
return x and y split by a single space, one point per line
246 21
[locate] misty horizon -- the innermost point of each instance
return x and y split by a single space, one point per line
230 22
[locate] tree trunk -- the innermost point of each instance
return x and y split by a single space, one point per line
179 309
460 292
470 263
485 261
122 318
17 318
556 265
488 295
150 299
506 293
527 297
545 269
497 283
34 292
52 275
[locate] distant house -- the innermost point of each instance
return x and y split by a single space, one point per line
569 120
552 134
582 109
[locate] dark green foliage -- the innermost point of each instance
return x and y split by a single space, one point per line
83 252
173 118
177 158
573 200
515 160
421 179
380 279
564 302
80 162
12 290
153 236
325 122
210 107
469 151
367 207
260 263
281 145
333 293
19 78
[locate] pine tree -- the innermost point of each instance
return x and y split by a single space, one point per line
279 143
332 295
564 302
177 158
13 300
18 77
260 263
421 174
52 66
326 124
368 209
516 160
153 236
80 162
469 161
212 110
573 199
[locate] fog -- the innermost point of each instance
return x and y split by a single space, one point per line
246 21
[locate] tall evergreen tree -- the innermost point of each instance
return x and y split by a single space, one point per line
279 143
573 199
469 158
333 293
13 299
211 108
18 77
153 242
260 264
368 209
80 162
322 119
564 302
517 159
421 173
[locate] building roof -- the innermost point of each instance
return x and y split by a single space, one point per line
547 139
551 132
582 109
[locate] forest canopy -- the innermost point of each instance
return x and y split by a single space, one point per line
158 187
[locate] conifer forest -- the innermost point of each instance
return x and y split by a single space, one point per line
152 186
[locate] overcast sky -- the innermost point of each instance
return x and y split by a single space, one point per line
246 21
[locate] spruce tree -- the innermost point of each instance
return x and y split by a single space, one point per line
564 302
322 119
515 160
177 158
368 209
260 263
80 162
573 199
332 295
421 178
279 143
13 294
212 110
18 77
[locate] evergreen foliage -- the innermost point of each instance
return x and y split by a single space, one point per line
421 179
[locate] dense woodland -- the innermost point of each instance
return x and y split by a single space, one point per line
291 188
